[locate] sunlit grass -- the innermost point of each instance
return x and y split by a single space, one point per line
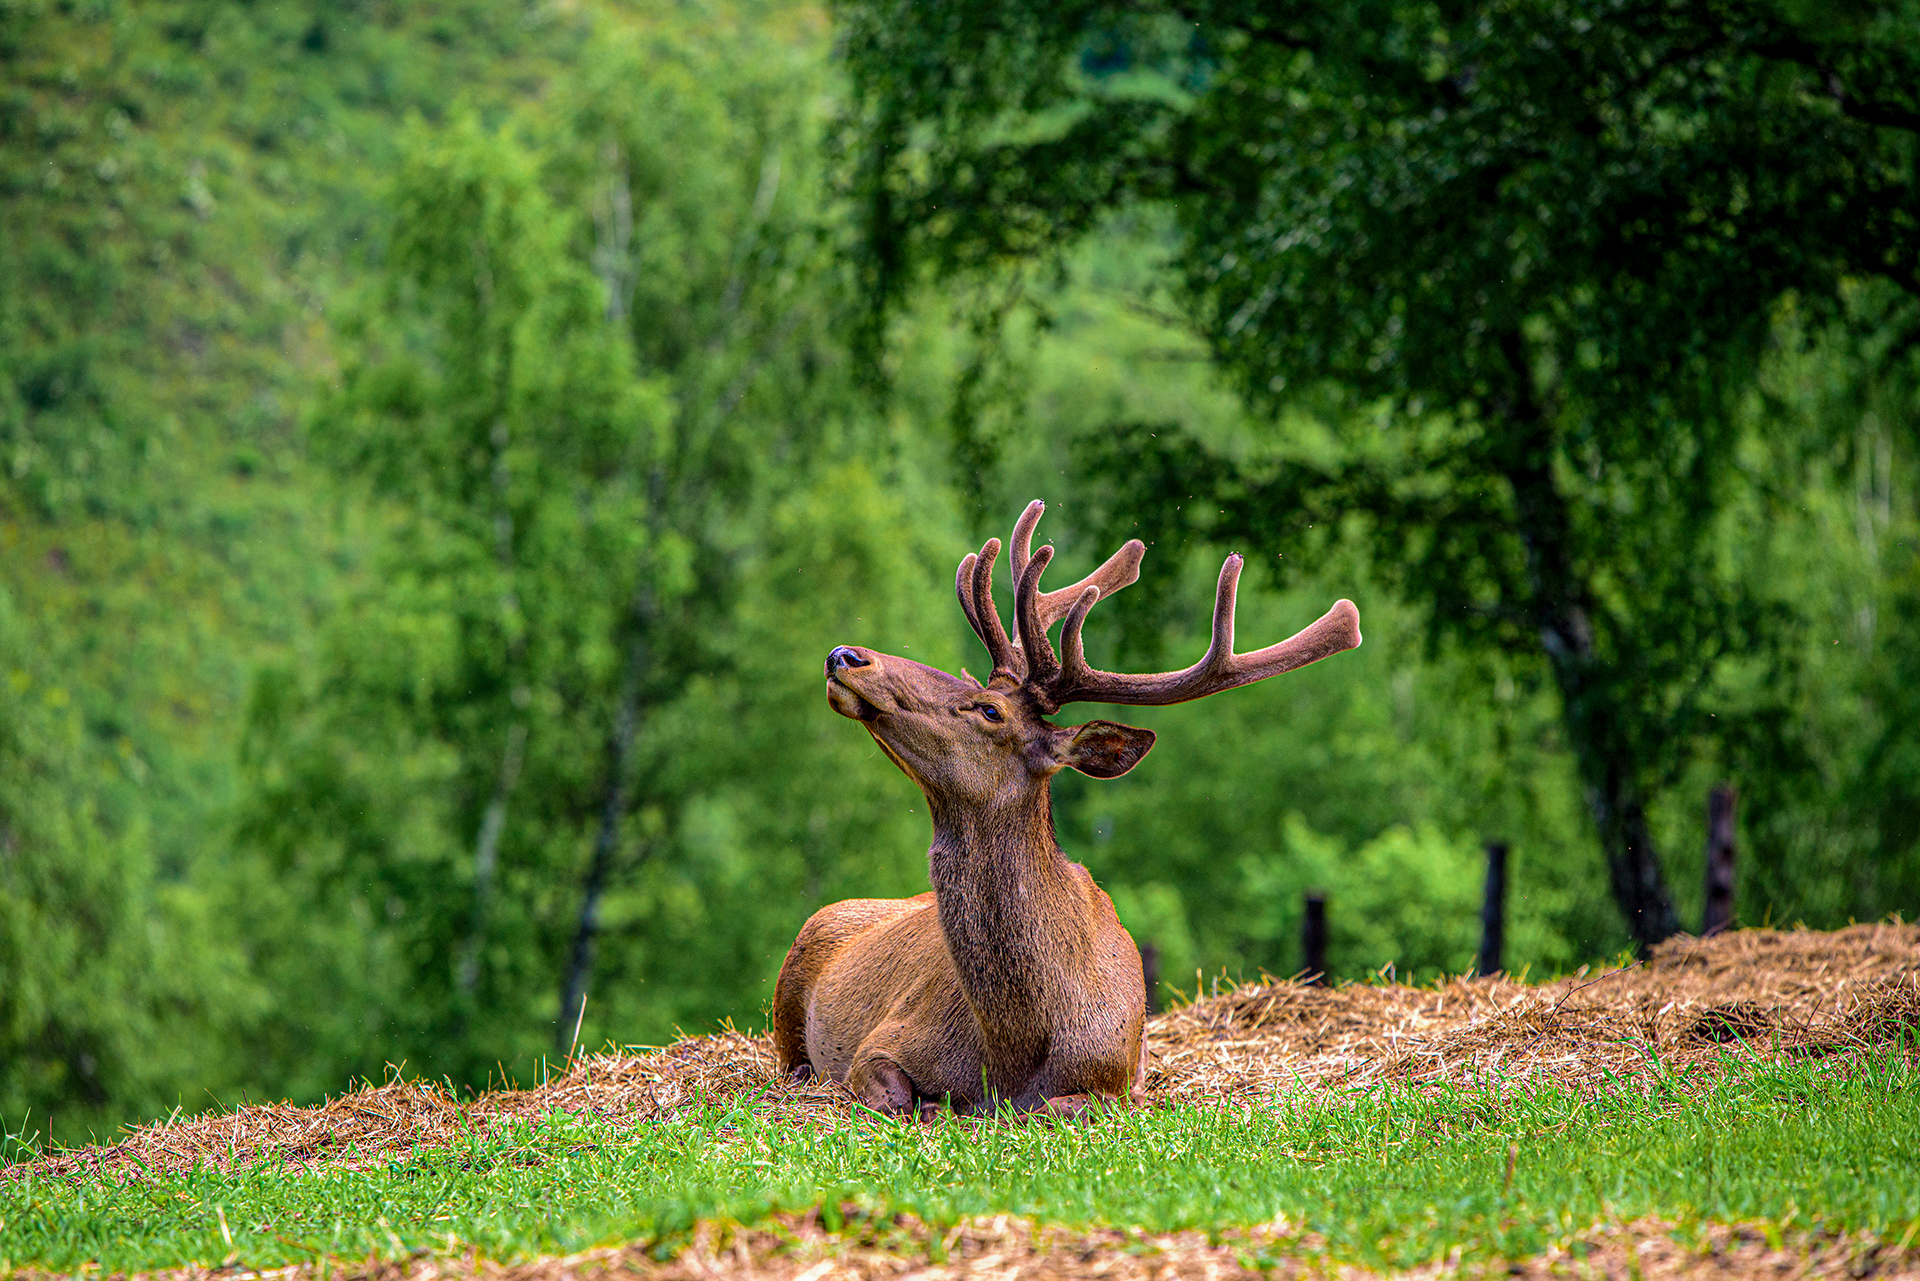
1388 1176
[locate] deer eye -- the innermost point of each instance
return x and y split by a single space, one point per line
989 711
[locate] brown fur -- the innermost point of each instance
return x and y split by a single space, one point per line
1013 980
1012 983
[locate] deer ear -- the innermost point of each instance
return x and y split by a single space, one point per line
1102 749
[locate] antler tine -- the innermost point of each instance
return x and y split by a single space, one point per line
1073 654
1021 549
1226 594
1219 669
963 588
1042 666
1120 569
985 617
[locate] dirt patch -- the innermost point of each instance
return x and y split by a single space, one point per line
795 1248
1690 1008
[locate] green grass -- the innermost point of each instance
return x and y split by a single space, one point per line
1388 1176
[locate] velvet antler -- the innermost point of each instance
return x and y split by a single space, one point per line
1056 680
1035 611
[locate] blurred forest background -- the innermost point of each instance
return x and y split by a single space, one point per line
439 443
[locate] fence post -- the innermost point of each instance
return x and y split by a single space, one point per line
1493 913
1718 913
1313 938
1150 973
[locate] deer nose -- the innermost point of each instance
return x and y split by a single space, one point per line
845 656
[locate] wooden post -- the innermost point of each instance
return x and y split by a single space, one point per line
1493 912
1313 938
1150 971
1718 914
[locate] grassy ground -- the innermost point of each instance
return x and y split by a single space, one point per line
1384 1177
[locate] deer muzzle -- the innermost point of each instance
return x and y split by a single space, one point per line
845 656
842 697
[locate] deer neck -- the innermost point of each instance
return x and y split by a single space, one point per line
1011 910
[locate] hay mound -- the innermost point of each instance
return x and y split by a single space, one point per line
1755 991
1750 992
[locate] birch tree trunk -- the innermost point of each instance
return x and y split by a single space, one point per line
626 725
486 852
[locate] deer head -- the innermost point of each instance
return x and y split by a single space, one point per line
968 744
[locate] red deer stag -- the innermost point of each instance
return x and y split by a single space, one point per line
1012 983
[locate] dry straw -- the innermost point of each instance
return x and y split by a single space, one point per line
1691 1006
1799 992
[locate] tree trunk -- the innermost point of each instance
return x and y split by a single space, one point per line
1633 867
486 854
1558 605
486 850
626 724
613 225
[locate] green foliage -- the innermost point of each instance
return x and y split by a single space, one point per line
1405 903
115 972
185 185
504 438
1389 1177
188 180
